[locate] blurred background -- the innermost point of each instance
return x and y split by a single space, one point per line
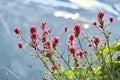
16 64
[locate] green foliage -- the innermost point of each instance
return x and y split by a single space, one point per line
83 73
113 48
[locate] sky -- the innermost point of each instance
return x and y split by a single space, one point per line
77 4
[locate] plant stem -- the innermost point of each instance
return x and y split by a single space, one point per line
23 39
45 64
86 38
102 65
61 36
66 63
52 61
85 55
106 35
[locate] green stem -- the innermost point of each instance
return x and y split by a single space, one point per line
66 63
53 62
86 38
61 36
110 54
45 64
85 55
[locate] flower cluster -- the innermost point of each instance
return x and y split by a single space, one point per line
54 42
71 44
48 44
97 57
33 36
100 15
43 25
77 30
96 40
100 23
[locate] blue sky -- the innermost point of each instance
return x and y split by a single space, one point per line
77 4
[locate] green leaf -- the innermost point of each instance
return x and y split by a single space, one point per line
75 72
113 47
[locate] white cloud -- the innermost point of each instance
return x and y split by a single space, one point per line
95 4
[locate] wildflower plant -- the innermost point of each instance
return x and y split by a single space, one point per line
96 62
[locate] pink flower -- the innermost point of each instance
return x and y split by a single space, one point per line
111 19
71 44
33 44
49 53
66 29
100 15
52 68
72 49
43 25
17 30
54 42
77 30
71 38
49 30
33 29
44 33
96 40
20 45
89 45
43 39
34 36
79 53
47 45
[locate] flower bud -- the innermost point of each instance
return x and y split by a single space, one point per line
20 45
17 30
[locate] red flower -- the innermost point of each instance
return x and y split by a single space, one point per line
71 44
72 49
33 44
54 41
49 30
71 38
79 53
34 36
20 45
96 40
66 29
33 29
94 23
47 45
17 30
45 33
111 19
43 39
43 25
77 30
100 15
89 45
